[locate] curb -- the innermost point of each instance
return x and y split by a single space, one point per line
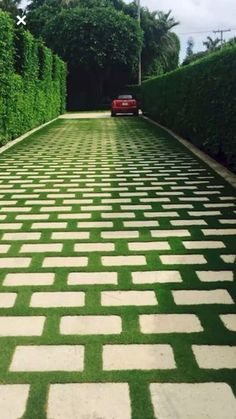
22 137
217 167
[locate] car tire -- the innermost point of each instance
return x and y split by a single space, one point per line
113 114
136 113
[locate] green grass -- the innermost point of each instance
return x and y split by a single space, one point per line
73 139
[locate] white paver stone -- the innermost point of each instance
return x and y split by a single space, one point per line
10 226
161 214
116 201
89 400
203 213
58 299
96 195
26 279
5 202
113 215
138 357
4 248
13 400
123 260
191 297
133 194
21 325
183 259
21 236
61 195
141 224
14 263
7 299
215 357
41 248
95 224
215 276
203 244
90 325
170 233
229 321
136 207
227 221
77 201
152 200
11 190
40 202
137 246
38 226
128 298
94 247
120 234
177 223
74 216
71 235
16 209
219 231
92 278
221 205
55 209
154 277
169 323
228 258
65 261
48 358
96 208
193 401
32 217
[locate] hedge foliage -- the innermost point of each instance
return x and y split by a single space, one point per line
32 81
199 102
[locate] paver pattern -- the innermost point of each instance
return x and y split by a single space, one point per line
117 277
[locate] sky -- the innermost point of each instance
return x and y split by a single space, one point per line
198 16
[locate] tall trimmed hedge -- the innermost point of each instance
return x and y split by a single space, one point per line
199 102
32 81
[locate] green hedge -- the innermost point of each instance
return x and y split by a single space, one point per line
199 102
32 81
135 90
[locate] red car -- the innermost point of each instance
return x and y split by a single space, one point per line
124 104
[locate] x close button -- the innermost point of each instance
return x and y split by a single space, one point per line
21 20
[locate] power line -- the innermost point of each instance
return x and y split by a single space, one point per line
222 31
209 31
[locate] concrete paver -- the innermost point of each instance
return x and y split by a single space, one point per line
184 400
48 358
13 400
138 357
90 400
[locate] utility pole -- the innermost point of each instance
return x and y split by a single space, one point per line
140 54
221 31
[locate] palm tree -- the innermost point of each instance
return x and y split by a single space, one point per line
211 44
165 21
160 44
168 45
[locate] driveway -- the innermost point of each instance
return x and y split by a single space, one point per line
117 273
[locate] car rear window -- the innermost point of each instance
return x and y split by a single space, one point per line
125 97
